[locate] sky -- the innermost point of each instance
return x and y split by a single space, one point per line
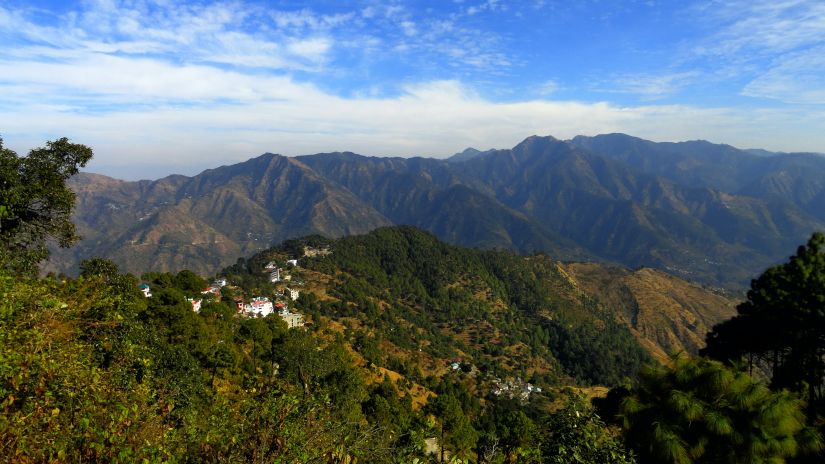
162 86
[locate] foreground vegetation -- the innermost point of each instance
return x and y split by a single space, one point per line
409 339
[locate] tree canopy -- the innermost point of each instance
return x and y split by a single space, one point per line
700 411
35 202
575 434
781 325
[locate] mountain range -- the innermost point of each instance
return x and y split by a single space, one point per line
707 212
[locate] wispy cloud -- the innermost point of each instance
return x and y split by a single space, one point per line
548 87
150 48
649 86
797 78
769 48
748 29
217 33
93 80
487 5
434 118
776 45
207 83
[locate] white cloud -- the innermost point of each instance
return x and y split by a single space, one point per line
105 79
368 12
225 33
775 45
198 86
307 19
798 78
315 49
549 87
409 28
434 118
651 86
750 28
488 5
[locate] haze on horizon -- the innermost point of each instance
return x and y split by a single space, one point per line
157 87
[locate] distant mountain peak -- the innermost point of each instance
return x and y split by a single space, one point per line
609 135
468 154
539 139
540 144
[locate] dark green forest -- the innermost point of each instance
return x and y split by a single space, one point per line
413 351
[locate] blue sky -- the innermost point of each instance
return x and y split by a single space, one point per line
161 86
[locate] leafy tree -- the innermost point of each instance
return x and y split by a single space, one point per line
189 282
98 266
108 272
782 324
700 411
35 202
576 434
457 433
519 437
221 358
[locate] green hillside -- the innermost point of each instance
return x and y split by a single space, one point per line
410 343
502 314
412 350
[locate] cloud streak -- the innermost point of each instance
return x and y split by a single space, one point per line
438 118
151 84
776 45
651 86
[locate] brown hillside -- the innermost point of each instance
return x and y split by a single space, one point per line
665 313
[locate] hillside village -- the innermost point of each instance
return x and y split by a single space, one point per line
259 305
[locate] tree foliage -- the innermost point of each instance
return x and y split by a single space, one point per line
35 202
699 411
91 373
575 434
457 437
781 325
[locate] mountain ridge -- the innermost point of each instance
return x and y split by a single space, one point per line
611 198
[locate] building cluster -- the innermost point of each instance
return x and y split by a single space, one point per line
512 389
279 274
262 307
215 287
259 306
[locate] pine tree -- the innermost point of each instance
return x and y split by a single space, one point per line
700 411
782 324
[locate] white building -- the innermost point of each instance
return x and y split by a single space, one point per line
212 289
196 304
275 275
259 306
291 293
292 262
292 319
144 288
